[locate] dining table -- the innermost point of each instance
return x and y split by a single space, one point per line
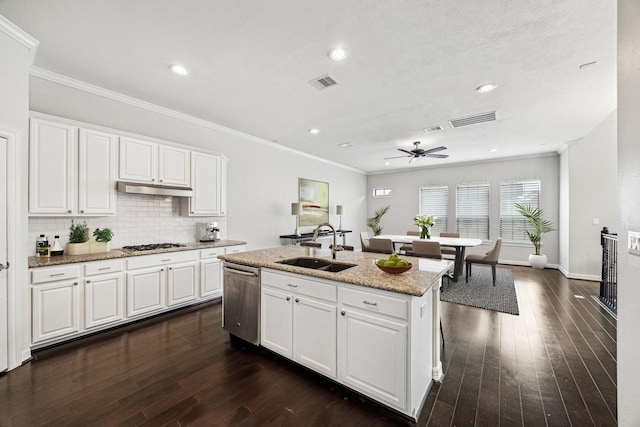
459 243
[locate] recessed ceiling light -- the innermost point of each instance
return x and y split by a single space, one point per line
433 129
314 131
346 145
337 54
487 87
387 163
179 70
493 150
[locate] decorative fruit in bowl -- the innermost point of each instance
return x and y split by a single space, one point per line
394 264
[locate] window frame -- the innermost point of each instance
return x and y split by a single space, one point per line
442 221
518 223
480 219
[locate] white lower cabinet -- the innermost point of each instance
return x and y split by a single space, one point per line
299 320
182 280
145 291
56 310
103 296
211 272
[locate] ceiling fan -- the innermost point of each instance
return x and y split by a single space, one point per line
419 152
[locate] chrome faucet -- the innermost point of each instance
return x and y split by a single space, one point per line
335 247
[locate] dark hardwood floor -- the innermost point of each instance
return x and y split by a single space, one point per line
554 364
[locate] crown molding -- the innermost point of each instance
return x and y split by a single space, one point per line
10 29
135 102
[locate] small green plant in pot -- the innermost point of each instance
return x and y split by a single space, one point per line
102 238
540 226
78 239
374 221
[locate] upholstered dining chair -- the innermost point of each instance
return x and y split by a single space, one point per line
311 244
383 246
407 248
364 240
490 258
447 250
425 249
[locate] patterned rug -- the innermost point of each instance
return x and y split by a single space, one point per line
481 293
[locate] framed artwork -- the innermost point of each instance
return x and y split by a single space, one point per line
314 197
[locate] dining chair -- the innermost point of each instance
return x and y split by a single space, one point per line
344 247
490 258
425 249
447 250
407 248
364 240
311 244
383 246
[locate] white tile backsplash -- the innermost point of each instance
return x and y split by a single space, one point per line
140 219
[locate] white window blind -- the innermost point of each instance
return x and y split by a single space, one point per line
513 226
434 200
472 210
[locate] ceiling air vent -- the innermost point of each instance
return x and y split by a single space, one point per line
473 120
323 82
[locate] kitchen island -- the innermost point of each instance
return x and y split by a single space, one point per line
374 332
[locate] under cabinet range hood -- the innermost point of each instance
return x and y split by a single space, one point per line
156 190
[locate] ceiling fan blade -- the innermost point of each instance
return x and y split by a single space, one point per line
405 151
412 159
398 157
437 156
435 150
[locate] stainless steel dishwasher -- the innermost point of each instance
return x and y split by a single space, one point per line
241 301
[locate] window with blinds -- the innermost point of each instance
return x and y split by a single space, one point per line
472 210
434 200
513 226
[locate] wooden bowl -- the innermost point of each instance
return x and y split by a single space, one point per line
394 270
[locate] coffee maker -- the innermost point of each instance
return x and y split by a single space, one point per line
208 232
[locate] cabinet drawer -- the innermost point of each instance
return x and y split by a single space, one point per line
300 286
45 275
374 302
161 259
93 268
211 253
235 249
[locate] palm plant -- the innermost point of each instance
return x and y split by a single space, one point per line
540 225
374 221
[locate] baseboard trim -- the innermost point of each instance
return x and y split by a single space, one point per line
565 273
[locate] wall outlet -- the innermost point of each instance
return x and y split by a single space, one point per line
634 242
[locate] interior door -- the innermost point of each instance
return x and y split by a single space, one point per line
3 257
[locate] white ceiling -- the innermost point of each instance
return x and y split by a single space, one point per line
410 65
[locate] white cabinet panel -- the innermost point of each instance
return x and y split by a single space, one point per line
210 278
182 283
96 172
276 322
314 335
103 300
138 160
173 167
55 310
52 167
205 180
145 291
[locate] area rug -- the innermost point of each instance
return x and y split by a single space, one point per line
481 293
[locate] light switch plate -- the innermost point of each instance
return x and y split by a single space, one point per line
634 242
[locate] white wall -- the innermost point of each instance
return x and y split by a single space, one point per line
15 60
262 178
405 187
592 195
629 211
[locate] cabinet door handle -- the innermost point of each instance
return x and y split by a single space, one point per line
153 179
343 312
370 303
75 283
56 275
170 268
292 285
165 260
69 211
88 281
297 299
161 180
288 298
82 211
104 268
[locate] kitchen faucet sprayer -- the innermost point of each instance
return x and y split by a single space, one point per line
335 247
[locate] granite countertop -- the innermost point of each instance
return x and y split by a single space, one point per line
35 262
424 274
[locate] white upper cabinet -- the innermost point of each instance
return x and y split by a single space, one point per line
149 162
71 170
207 180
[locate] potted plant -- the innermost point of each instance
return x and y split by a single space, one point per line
102 239
374 221
78 239
425 222
540 227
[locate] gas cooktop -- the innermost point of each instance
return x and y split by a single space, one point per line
151 247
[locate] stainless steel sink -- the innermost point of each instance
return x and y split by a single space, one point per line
317 264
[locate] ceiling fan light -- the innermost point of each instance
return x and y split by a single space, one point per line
487 87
